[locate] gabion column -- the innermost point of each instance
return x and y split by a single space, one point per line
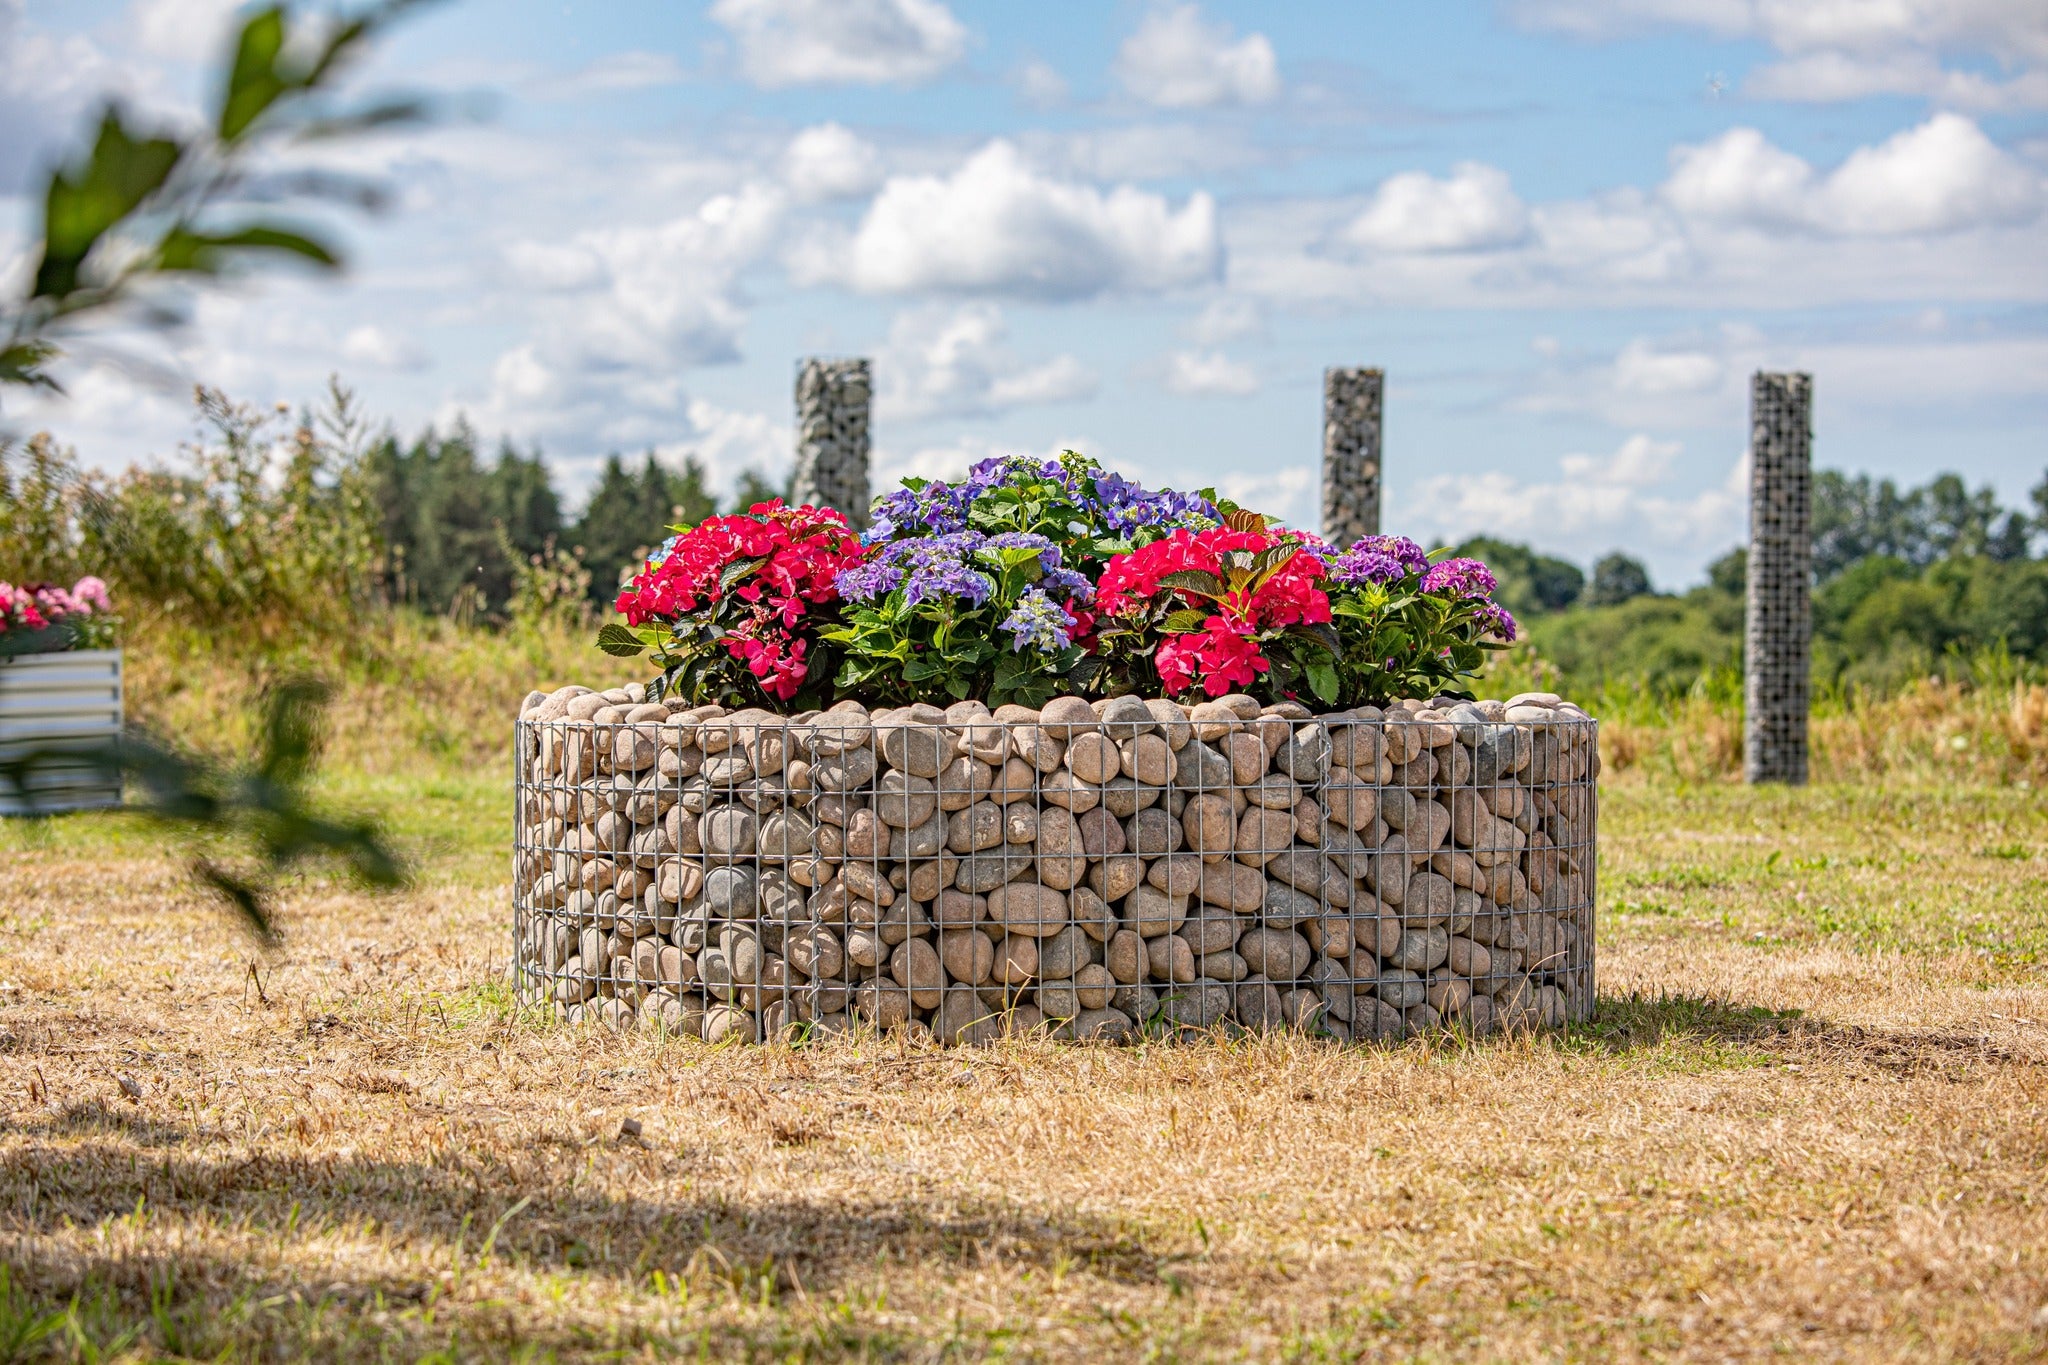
1351 454
1780 615
832 436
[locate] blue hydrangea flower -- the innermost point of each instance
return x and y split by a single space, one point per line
1048 553
1036 623
1122 506
935 566
1073 586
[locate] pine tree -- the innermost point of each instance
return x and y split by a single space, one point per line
630 512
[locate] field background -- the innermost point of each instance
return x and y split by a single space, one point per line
1810 1119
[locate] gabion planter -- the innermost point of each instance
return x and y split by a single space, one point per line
1098 869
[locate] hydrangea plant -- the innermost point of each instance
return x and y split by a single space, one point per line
1406 627
733 608
1231 608
39 618
984 588
1032 578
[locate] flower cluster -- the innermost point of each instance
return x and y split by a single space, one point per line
801 550
1407 627
1219 658
18 609
1217 593
748 582
1032 578
1037 622
1459 578
1284 598
985 587
1378 559
78 616
1072 489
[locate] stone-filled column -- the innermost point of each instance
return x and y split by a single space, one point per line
1351 454
1779 636
832 436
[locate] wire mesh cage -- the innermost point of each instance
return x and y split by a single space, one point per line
1098 870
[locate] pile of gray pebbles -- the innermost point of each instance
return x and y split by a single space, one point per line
1098 869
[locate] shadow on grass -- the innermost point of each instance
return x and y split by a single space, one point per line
451 1217
1640 1023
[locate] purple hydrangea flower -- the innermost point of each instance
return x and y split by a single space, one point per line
1036 623
876 578
1405 551
1356 567
1459 578
1498 622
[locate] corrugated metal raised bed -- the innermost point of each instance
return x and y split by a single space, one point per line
55 701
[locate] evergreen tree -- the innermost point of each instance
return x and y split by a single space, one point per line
524 499
439 509
630 511
753 486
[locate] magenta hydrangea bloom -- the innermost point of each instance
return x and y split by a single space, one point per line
1460 578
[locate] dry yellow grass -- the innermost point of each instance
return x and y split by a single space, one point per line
1812 1120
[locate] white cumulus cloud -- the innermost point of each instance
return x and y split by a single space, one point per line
1628 497
634 303
831 161
1211 373
1943 175
958 362
182 30
1848 49
842 42
1288 493
1178 60
998 226
1475 209
381 348
1229 318
1041 85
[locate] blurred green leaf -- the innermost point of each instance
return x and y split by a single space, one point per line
206 253
84 203
254 82
22 362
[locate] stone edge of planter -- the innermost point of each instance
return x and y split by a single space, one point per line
891 735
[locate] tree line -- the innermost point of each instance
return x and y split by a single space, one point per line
457 524
1907 582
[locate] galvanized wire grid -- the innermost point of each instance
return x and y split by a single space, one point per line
759 876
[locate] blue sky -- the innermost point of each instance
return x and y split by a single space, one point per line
1567 229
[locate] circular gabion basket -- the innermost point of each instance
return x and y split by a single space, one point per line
1101 870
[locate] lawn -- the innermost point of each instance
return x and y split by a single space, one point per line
1811 1119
